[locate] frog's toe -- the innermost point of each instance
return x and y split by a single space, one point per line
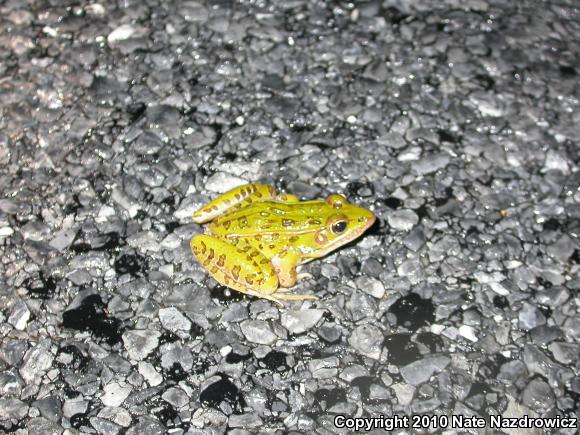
290 297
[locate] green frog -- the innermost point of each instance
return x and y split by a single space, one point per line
257 237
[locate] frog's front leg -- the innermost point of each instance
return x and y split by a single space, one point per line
236 197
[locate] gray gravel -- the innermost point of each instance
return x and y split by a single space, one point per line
456 122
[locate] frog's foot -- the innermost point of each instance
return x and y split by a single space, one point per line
234 198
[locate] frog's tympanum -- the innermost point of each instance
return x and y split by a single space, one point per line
257 237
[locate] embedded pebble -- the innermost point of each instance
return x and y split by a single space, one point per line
420 371
297 322
19 316
115 394
403 220
172 319
258 331
140 343
367 339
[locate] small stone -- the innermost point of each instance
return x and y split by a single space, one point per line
430 164
371 286
19 316
324 368
221 182
299 321
117 415
124 32
468 332
367 339
258 331
176 397
104 427
538 396
146 425
49 407
149 373
63 239
530 316
74 406
403 220
245 420
36 361
12 409
415 239
173 320
566 353
420 371
140 343
404 393
115 393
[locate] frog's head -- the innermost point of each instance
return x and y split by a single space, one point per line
344 222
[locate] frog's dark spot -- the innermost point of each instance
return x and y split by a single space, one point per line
413 312
90 315
223 390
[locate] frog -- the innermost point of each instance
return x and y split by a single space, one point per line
257 237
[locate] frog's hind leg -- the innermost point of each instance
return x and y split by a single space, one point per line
235 198
239 267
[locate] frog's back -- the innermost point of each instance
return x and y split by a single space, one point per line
271 218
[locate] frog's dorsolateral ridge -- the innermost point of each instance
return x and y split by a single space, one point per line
257 237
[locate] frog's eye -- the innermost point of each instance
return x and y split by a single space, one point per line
338 227
336 200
